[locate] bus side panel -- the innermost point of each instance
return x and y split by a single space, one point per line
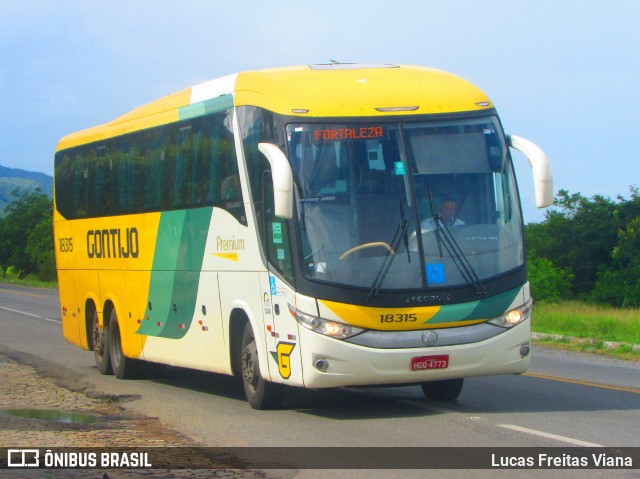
137 293
203 344
282 339
115 288
241 291
71 321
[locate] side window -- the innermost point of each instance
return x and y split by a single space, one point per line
256 126
63 181
277 236
126 175
79 186
153 169
181 161
222 166
188 164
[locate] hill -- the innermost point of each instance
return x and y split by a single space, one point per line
12 178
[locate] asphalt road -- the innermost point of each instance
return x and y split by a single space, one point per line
566 399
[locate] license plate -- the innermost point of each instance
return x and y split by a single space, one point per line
422 363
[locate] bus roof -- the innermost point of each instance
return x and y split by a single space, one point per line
331 90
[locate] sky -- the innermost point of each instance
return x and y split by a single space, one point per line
564 74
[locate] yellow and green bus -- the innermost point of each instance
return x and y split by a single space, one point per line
314 226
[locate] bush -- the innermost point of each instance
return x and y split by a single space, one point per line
548 282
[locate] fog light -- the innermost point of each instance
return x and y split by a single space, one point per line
524 350
321 365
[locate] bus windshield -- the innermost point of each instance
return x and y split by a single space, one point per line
424 204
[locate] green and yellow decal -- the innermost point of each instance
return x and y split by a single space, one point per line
175 274
421 317
282 356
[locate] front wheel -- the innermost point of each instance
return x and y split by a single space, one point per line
261 394
447 390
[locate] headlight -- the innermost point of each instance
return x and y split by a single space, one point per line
513 317
333 329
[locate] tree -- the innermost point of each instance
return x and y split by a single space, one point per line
548 282
6 248
579 235
40 251
596 239
620 284
27 211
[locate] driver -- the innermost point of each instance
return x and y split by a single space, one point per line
447 214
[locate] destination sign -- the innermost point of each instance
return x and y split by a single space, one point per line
359 133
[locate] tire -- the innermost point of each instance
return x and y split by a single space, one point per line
447 390
122 366
261 394
100 345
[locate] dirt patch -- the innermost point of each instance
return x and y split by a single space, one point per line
28 387
28 384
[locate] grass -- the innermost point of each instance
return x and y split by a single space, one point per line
31 280
587 327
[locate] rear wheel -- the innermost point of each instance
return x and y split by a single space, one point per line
123 367
261 394
447 390
99 344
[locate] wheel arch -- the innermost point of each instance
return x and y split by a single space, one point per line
237 321
240 315
106 310
89 310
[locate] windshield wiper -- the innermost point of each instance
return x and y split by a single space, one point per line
452 247
388 259
444 237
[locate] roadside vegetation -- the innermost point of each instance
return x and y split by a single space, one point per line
580 326
26 236
584 269
583 260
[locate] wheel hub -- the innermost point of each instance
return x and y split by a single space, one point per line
250 365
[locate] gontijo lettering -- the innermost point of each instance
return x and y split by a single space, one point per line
113 243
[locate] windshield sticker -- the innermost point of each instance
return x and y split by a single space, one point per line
400 168
336 134
277 232
314 199
435 273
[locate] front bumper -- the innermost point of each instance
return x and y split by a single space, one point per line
350 364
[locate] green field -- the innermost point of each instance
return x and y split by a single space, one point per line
588 327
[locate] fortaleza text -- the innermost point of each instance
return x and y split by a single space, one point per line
594 460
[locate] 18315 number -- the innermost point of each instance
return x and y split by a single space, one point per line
398 318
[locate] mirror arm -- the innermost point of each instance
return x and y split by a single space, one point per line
542 174
282 179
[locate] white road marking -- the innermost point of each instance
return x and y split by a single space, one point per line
547 435
24 313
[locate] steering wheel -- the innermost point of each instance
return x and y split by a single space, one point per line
367 245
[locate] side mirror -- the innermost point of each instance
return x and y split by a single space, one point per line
542 174
282 180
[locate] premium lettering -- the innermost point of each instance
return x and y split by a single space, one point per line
113 243
232 244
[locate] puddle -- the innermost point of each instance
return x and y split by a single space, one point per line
51 415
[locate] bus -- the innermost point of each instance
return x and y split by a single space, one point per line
322 226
